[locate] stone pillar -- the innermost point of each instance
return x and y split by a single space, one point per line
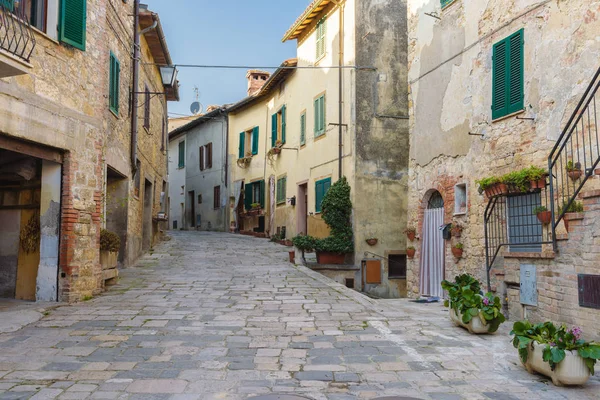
47 278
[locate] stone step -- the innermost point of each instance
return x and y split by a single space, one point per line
590 194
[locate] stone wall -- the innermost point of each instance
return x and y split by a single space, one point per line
453 138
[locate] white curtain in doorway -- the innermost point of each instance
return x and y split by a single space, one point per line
432 253
237 193
272 202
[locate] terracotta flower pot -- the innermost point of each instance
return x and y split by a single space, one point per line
545 217
288 243
539 184
575 174
325 257
457 233
502 189
372 242
489 192
276 150
458 253
410 253
292 255
411 236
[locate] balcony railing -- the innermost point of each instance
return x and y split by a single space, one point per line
16 34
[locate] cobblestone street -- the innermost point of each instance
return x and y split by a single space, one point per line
218 316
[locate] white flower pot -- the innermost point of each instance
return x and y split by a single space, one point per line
570 371
474 326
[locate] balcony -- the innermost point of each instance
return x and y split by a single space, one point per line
17 40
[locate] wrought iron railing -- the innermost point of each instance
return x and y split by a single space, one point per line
512 224
16 34
576 155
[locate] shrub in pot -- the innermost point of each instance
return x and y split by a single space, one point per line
575 207
537 177
411 233
555 351
457 250
574 170
543 215
488 185
470 308
410 252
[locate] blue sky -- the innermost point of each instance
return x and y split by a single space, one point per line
225 32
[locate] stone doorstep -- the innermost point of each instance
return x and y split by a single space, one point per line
110 274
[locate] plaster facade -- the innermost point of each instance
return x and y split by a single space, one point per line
59 112
454 139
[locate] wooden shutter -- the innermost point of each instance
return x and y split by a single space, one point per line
322 113
72 22
262 193
209 155
111 82
248 196
147 108
515 82
302 129
320 36
241 153
283 124
444 3
317 117
318 195
274 130
201 158
255 140
182 154
217 197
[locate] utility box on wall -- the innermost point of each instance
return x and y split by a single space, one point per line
372 270
529 294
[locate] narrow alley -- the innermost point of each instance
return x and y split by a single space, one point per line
219 316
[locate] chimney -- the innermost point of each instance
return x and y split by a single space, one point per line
256 80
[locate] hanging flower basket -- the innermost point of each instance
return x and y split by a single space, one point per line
372 241
410 252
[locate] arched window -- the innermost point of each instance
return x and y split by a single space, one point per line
435 201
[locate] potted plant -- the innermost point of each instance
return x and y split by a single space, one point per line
557 352
110 244
304 243
575 207
410 252
372 241
543 215
489 186
292 255
537 177
517 181
470 308
457 250
574 170
456 230
411 233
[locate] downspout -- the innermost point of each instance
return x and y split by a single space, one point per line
135 84
341 94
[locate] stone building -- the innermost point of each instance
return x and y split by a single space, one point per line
344 115
494 87
66 143
199 174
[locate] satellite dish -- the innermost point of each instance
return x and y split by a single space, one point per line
195 108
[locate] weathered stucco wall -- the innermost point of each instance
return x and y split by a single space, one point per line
450 76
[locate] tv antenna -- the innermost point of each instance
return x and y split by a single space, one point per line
196 107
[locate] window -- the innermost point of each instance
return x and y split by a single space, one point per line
524 229
181 163
281 190
163 134
147 108
278 127
254 193
34 11
217 198
507 76
397 266
320 116
72 23
199 199
201 158
174 224
209 155
303 129
114 84
248 140
321 187
320 34
137 181
460 198
205 157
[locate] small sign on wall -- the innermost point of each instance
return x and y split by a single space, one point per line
529 294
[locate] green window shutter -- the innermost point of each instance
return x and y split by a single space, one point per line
326 186
283 124
318 195
8 4
317 118
499 77
182 154
281 190
262 193
248 196
516 101
72 23
302 129
255 140
445 2
320 116
274 130
322 113
241 153
320 37
114 84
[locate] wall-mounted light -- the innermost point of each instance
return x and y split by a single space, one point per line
168 74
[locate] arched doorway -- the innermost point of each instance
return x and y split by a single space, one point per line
432 247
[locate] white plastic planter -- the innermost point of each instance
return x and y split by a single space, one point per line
474 326
570 371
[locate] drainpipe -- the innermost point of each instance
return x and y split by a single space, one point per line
341 94
135 84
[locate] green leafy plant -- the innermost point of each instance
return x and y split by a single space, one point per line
488 182
573 166
556 341
518 179
536 173
304 242
459 246
575 207
255 206
336 212
468 302
410 248
539 209
109 241
410 230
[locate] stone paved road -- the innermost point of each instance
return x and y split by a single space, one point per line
216 316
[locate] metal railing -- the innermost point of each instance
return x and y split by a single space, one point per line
16 34
576 155
511 223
